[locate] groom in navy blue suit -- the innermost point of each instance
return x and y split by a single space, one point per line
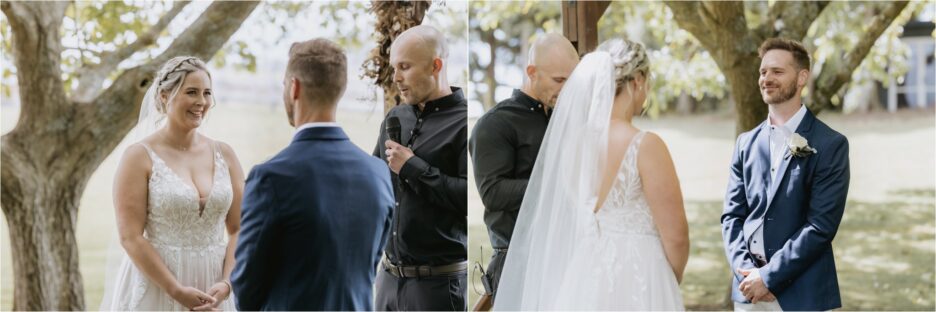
316 215
786 195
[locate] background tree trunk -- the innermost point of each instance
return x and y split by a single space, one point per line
59 142
490 70
393 18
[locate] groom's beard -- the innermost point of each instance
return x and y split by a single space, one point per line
783 93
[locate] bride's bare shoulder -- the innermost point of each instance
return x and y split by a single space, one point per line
135 158
652 147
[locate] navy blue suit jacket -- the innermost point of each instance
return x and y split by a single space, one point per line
314 221
800 214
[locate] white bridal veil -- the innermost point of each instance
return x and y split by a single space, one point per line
562 192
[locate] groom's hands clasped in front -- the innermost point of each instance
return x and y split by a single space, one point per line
397 155
753 286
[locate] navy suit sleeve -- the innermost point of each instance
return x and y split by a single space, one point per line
735 212
258 237
388 218
493 154
379 148
443 190
829 190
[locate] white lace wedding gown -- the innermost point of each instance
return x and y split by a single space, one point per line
623 251
192 244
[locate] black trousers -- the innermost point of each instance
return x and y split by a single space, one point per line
431 293
494 269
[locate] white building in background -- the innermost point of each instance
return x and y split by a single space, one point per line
917 88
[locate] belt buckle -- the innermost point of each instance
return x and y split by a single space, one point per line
400 272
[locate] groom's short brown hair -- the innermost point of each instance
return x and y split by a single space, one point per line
800 55
321 68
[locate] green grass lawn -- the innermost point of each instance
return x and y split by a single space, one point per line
883 251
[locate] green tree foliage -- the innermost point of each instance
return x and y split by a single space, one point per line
681 68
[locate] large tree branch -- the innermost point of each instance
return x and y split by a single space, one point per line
686 14
836 72
789 19
37 47
91 76
114 112
720 27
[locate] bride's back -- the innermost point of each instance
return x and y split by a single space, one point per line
620 136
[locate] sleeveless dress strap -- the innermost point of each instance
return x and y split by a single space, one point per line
149 151
630 157
216 149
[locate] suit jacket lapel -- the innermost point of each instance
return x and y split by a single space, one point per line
775 183
803 129
762 144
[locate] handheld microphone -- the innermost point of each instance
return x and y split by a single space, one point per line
393 129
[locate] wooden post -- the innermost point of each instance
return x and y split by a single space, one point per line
580 23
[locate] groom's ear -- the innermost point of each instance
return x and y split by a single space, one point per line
802 77
294 88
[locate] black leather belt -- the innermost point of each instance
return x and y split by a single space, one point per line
406 271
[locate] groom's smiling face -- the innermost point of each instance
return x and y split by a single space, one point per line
780 78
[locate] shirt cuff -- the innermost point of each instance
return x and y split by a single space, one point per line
768 280
413 168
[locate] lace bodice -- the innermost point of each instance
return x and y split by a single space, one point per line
625 211
175 218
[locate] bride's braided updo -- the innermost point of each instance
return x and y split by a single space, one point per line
170 77
629 58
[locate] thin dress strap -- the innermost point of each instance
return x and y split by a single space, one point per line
632 152
149 151
216 149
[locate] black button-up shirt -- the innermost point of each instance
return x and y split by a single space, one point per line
504 145
430 219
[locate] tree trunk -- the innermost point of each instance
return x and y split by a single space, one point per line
59 142
750 109
45 261
489 97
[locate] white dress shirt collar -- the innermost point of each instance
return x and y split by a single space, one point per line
316 125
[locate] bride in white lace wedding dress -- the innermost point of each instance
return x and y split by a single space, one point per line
602 225
175 193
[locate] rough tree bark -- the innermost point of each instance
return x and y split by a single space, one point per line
721 28
59 142
393 18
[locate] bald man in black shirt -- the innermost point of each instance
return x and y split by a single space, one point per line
425 261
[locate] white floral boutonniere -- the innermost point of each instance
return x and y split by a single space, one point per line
799 147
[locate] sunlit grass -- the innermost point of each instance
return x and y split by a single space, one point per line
884 249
